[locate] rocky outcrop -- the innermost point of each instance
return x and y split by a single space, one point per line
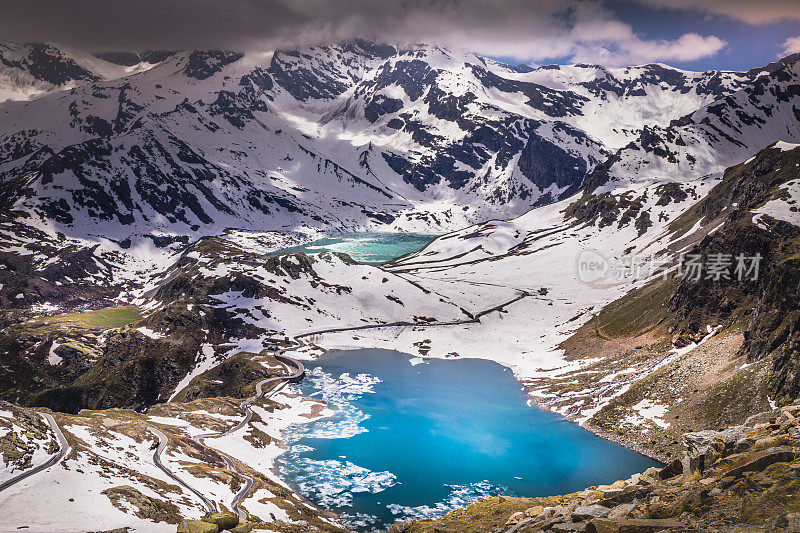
214 522
222 520
197 526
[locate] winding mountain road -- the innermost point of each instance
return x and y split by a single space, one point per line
296 375
64 448
162 443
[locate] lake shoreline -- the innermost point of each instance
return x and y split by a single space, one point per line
605 434
547 435
622 441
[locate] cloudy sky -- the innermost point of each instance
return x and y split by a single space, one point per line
701 34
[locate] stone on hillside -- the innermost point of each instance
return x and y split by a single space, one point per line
767 442
675 468
222 520
515 519
197 526
703 448
534 511
757 419
788 519
401 527
627 495
652 471
761 460
585 512
621 511
242 528
743 444
569 526
592 495
632 525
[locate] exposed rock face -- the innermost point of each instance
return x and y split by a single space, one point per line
768 306
546 164
45 63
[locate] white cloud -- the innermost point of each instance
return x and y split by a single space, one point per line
688 47
791 46
586 32
600 38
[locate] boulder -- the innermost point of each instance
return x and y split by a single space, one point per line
593 495
632 525
743 444
703 448
756 419
584 512
560 510
222 520
675 468
242 528
627 495
621 511
197 526
652 471
401 527
533 512
515 519
569 526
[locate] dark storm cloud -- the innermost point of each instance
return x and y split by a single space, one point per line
523 29
133 25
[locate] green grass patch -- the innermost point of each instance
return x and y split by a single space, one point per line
108 318
637 312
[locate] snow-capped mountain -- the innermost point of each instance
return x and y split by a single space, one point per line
717 135
357 135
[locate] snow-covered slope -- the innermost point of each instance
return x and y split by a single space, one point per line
28 71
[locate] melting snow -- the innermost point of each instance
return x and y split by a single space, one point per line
147 332
52 357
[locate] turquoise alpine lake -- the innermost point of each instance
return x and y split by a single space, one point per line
367 248
416 440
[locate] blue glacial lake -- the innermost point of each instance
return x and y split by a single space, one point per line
418 441
368 248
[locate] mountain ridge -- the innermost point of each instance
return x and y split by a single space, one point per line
445 142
